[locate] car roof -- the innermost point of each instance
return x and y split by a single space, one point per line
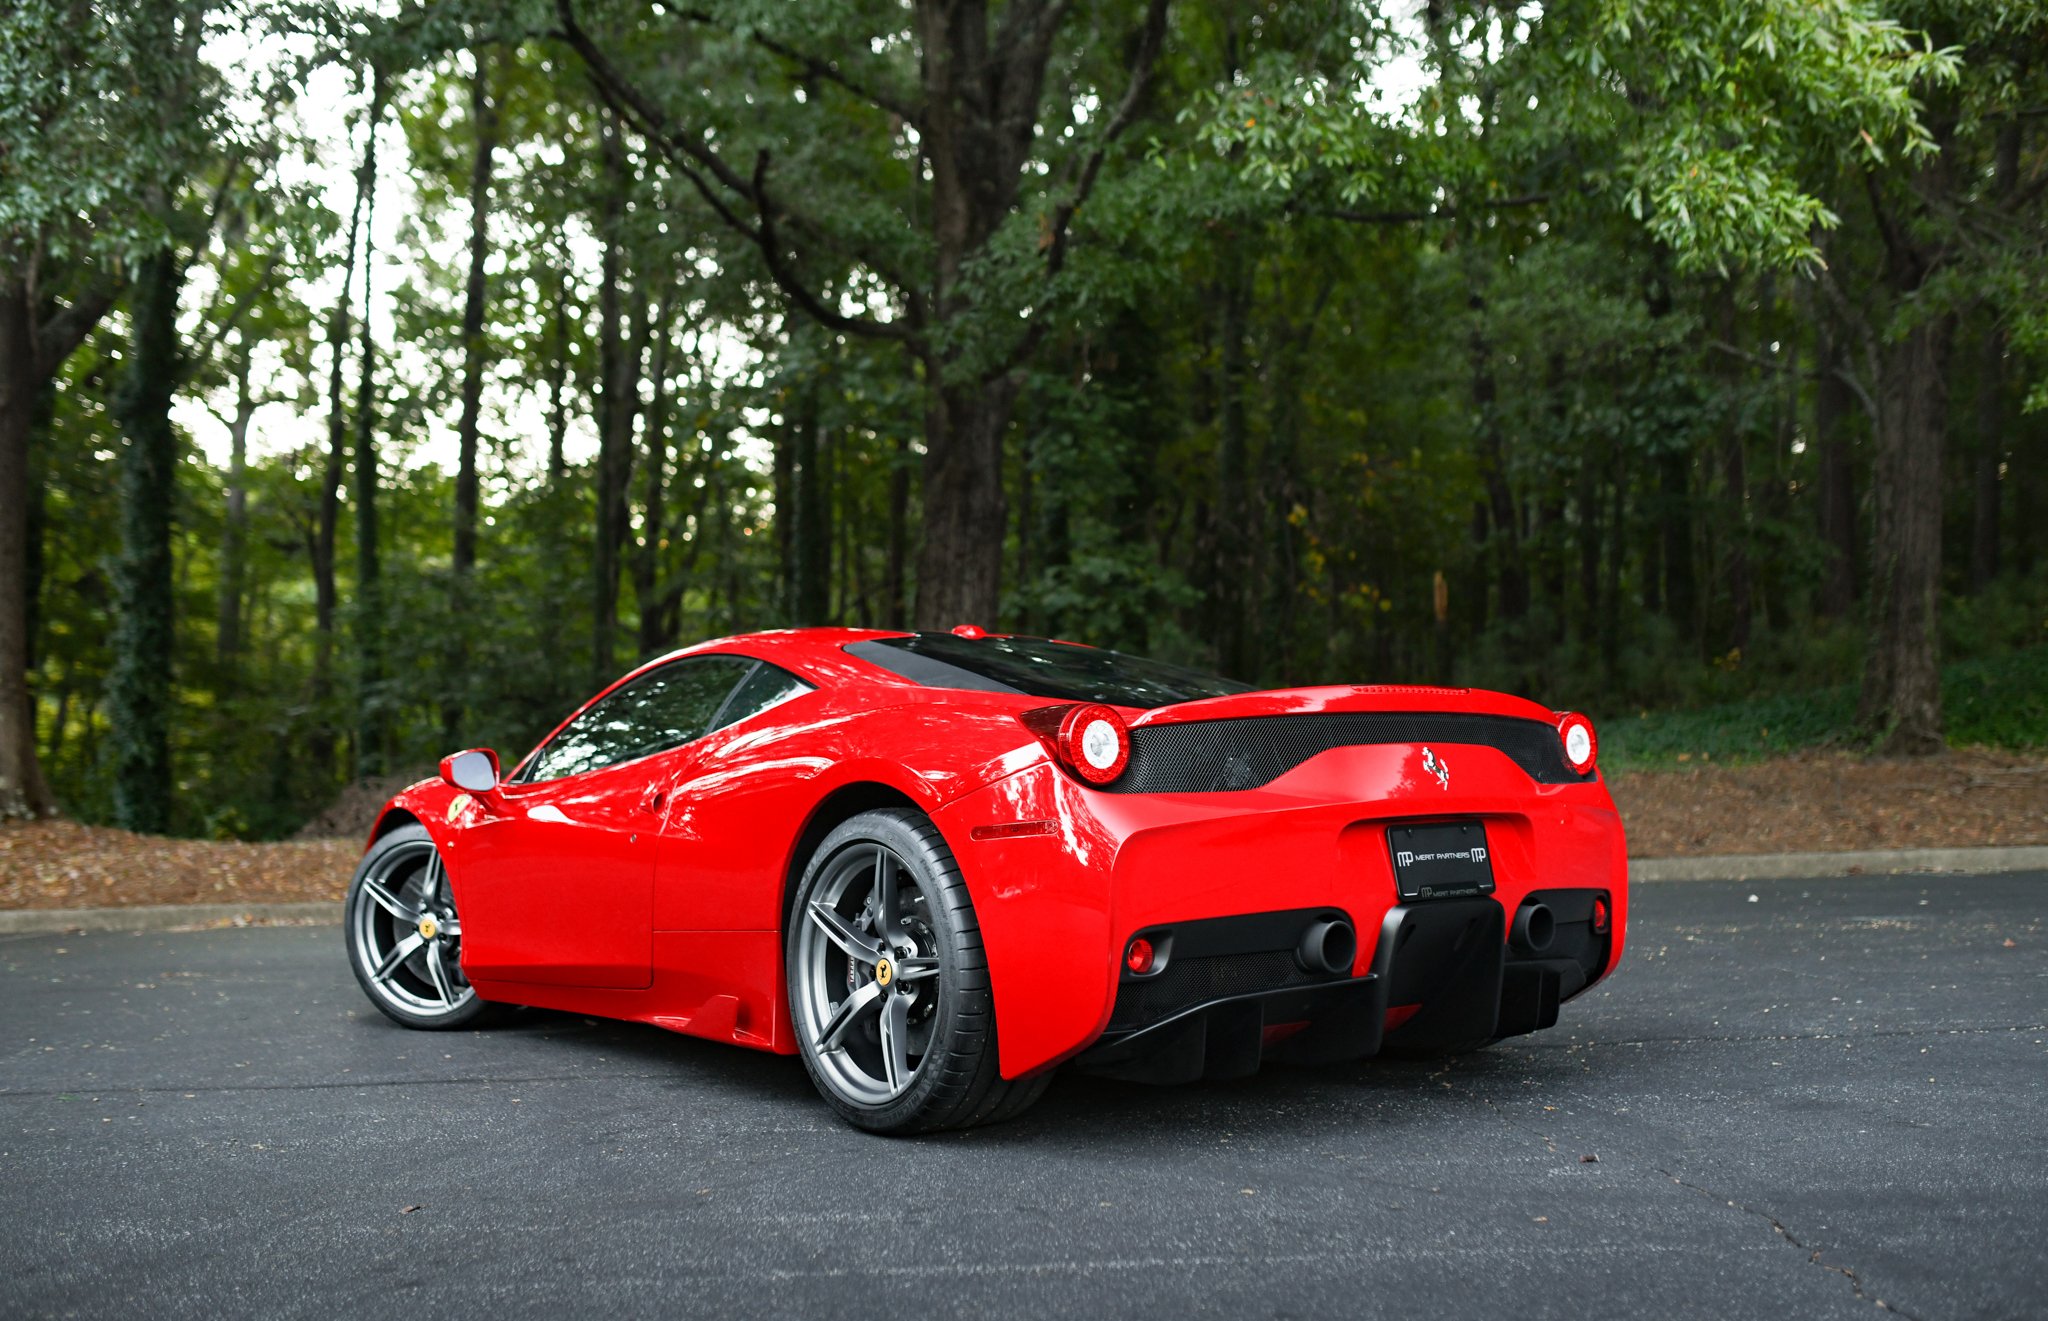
817 654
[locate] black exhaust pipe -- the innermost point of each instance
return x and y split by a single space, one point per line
1328 946
1534 927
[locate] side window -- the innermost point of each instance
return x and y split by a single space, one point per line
765 687
662 709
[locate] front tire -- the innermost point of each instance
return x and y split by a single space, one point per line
888 984
405 938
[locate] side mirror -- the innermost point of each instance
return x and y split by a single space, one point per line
475 771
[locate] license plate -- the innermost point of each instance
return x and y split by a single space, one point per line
1445 861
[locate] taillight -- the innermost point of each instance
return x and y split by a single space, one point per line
1581 745
1094 743
1139 957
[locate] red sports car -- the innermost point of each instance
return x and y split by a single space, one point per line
938 866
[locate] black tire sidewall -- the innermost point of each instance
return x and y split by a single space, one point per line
963 978
409 835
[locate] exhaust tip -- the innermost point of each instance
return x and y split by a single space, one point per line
1328 946
1535 926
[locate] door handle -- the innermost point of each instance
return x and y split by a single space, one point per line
652 799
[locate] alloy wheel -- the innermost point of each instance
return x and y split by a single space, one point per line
408 936
868 981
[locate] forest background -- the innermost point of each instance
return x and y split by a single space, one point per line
377 380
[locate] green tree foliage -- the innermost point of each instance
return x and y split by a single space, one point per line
1632 355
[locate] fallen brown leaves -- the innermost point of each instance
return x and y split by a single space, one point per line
61 864
1824 802
1831 802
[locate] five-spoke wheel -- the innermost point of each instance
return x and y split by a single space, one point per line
888 986
870 973
404 935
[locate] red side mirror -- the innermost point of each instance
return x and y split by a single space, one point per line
473 771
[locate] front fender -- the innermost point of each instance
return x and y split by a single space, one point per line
435 804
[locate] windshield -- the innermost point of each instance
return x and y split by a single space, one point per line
1038 667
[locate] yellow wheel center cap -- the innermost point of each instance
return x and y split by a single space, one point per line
885 972
428 927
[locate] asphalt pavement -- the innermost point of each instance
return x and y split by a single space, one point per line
1797 1099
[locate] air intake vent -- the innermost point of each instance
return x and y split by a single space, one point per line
1211 756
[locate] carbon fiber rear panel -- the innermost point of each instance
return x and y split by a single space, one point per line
1207 756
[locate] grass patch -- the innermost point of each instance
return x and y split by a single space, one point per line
1998 702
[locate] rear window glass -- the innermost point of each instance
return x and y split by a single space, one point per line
1037 667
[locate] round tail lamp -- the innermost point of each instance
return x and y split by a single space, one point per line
1581 745
1094 742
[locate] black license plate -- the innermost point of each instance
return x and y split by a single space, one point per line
1445 861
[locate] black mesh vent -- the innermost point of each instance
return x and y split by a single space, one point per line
1186 982
1207 756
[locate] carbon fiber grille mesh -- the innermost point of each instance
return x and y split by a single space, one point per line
1208 756
1186 982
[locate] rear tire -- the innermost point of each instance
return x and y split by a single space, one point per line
888 983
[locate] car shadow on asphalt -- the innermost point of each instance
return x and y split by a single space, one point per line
1384 1092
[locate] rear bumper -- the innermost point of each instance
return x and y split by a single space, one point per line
1442 979
1056 908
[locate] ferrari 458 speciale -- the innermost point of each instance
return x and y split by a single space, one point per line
940 866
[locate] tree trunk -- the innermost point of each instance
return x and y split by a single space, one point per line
841 503
139 686
1505 539
1990 455
371 722
23 792
1991 447
811 545
960 565
2029 511
1234 592
558 375
484 120
852 554
1902 672
1590 532
1736 568
1617 524
1833 405
1026 506
1735 485
981 99
38 519
618 402
1681 583
621 410
785 518
896 611
648 585
326 532
234 529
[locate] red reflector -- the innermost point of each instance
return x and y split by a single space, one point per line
1015 830
1599 915
1138 958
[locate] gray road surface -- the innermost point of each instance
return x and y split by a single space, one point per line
1792 1105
